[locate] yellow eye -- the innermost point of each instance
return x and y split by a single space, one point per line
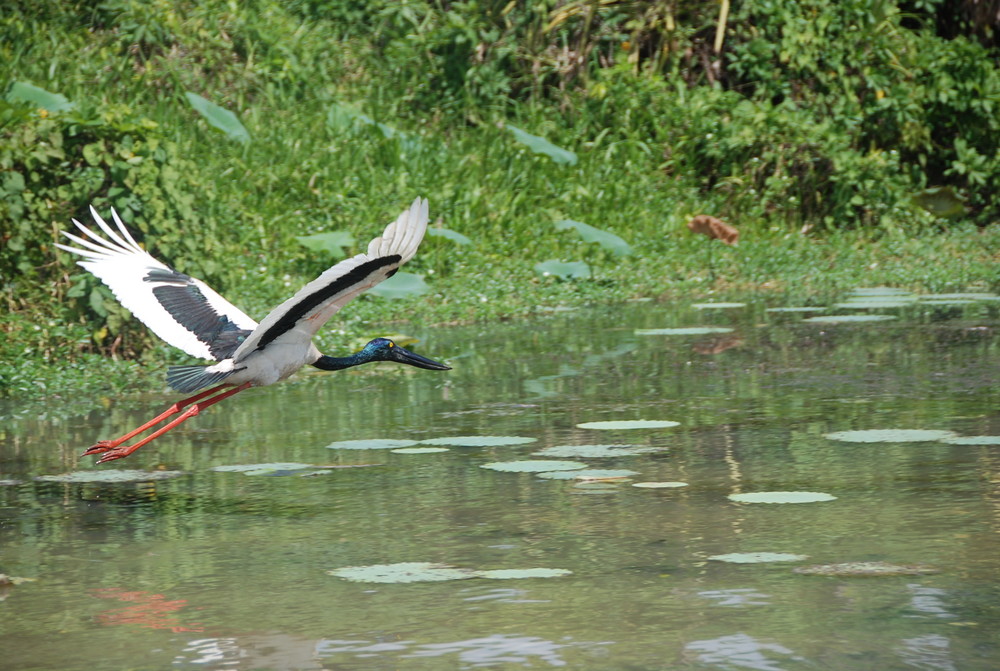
392 344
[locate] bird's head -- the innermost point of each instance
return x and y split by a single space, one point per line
383 349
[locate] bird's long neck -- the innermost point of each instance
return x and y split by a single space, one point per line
340 362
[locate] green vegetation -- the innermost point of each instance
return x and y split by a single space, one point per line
850 142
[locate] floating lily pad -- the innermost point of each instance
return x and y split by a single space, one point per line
717 306
872 305
660 485
972 440
689 330
536 466
111 475
889 436
972 296
781 497
595 451
274 468
370 444
9 483
517 573
848 319
479 441
879 291
629 424
802 308
865 568
589 474
419 450
949 301
402 573
757 557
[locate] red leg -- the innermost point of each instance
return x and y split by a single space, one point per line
105 445
113 451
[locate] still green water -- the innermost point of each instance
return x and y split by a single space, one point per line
215 570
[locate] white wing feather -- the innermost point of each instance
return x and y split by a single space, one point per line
123 265
297 320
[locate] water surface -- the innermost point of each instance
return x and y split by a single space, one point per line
216 570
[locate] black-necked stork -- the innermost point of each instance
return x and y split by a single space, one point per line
188 314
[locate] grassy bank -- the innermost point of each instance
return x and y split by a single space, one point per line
349 113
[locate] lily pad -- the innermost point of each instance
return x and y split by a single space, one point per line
285 468
688 330
517 573
536 466
629 424
419 450
371 444
660 485
781 497
595 451
479 441
757 557
801 308
589 474
9 482
865 568
403 573
848 319
972 440
873 305
971 296
879 291
111 475
717 306
889 436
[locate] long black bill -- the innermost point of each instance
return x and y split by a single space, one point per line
406 356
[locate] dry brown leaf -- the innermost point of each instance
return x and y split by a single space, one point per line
714 228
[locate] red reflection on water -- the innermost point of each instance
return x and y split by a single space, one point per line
151 611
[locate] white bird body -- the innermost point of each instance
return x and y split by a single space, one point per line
188 314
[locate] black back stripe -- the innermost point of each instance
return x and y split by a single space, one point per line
189 308
307 304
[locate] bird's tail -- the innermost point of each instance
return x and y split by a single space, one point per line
186 379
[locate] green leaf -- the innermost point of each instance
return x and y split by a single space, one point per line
540 145
332 242
941 201
605 239
401 285
450 235
564 271
38 97
219 117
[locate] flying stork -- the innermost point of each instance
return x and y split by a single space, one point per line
186 313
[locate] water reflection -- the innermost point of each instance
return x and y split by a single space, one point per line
225 570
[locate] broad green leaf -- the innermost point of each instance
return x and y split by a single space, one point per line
518 573
111 475
533 466
941 201
371 444
972 440
848 319
890 435
24 92
611 425
402 573
605 239
588 474
333 243
449 235
401 285
479 441
688 330
757 557
420 450
540 145
660 485
781 497
219 117
563 270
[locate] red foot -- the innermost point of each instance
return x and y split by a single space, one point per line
100 447
110 454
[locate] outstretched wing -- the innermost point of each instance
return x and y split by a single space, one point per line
182 310
298 319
